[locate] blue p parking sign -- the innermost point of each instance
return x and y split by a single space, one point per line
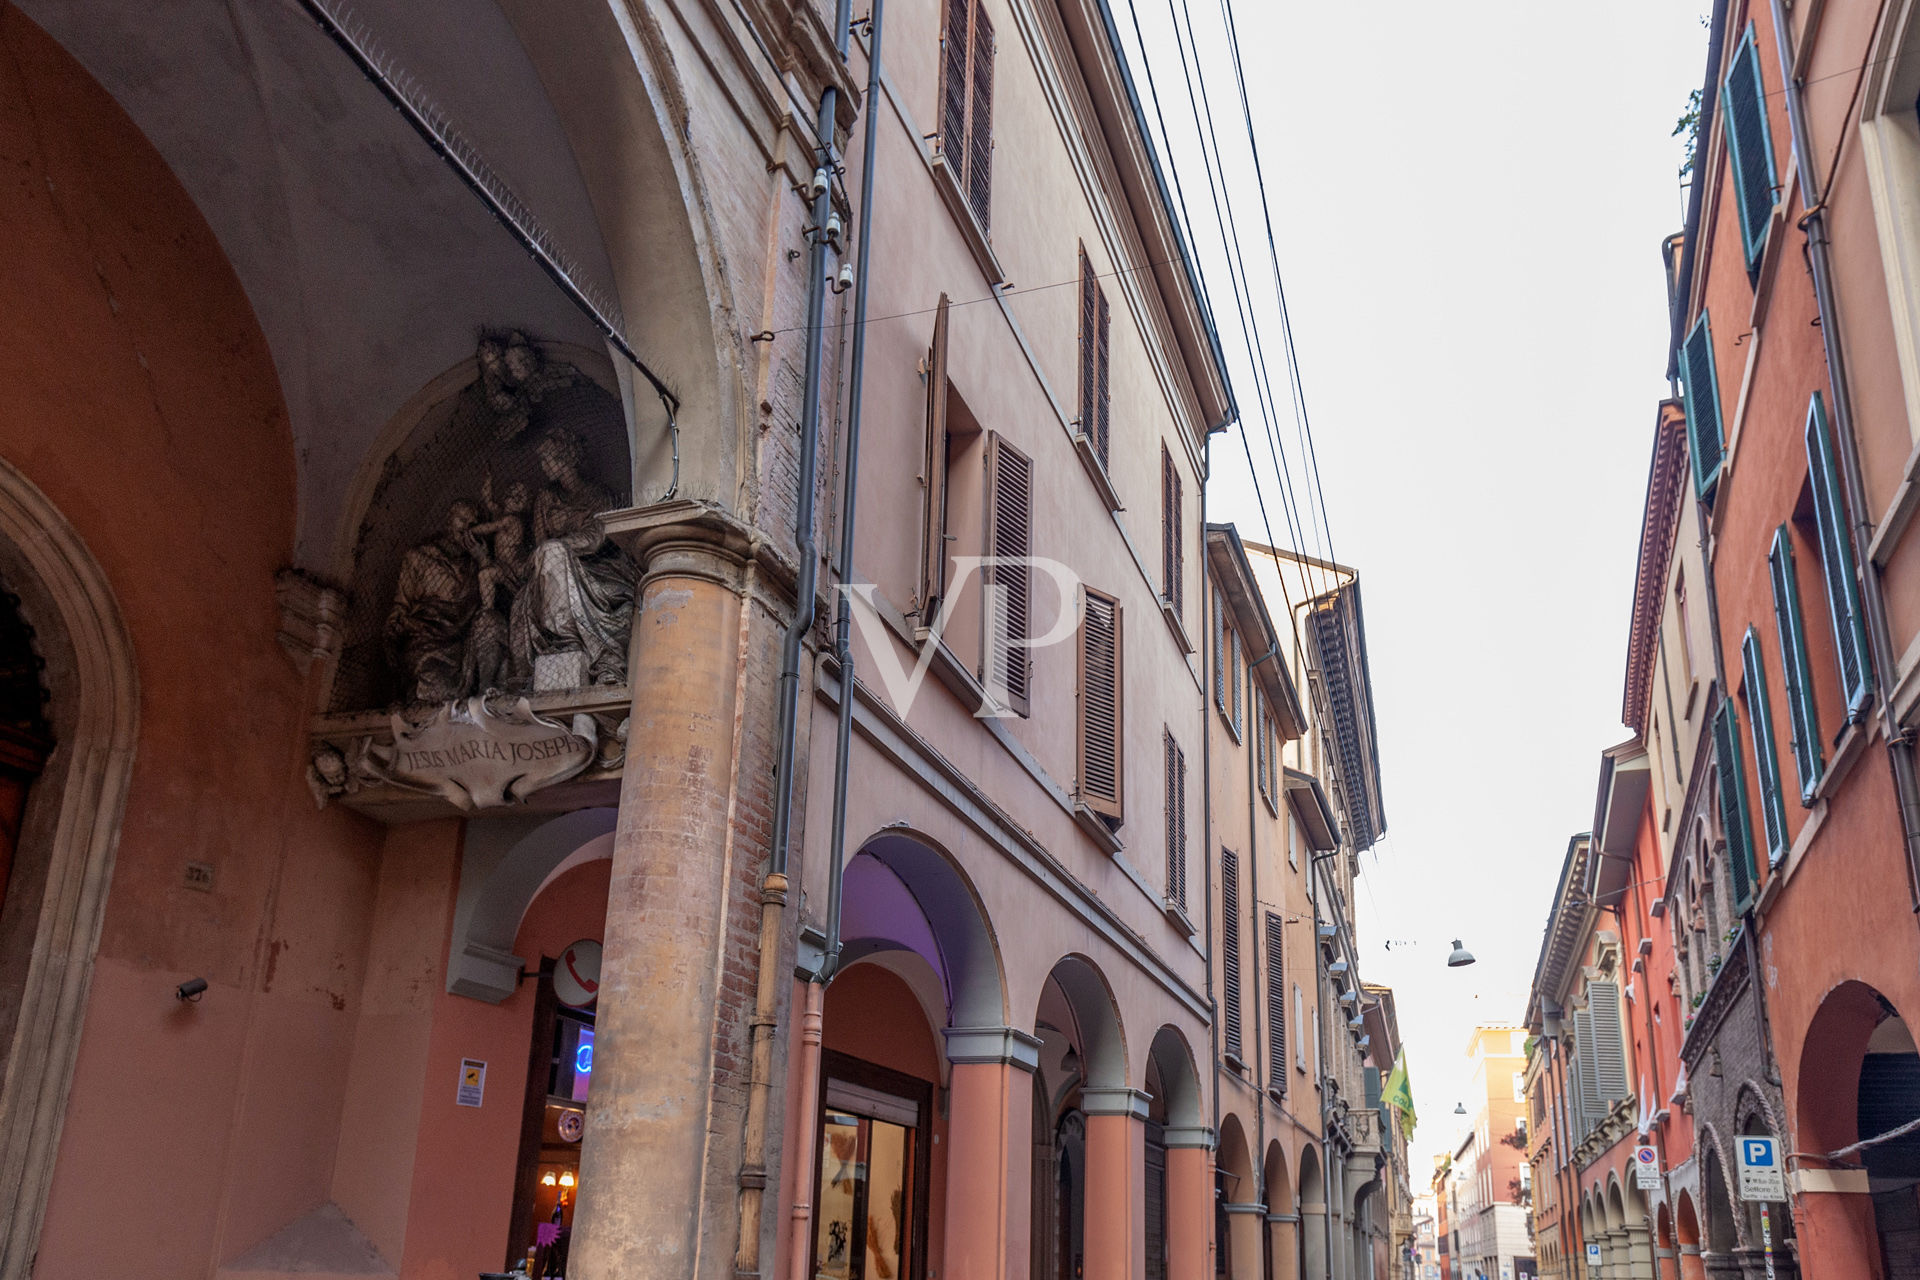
1761 1177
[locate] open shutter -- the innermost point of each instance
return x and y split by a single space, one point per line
1089 357
1103 439
933 474
1276 1003
1176 823
980 120
1836 553
1587 1098
1609 1044
1238 666
1100 705
1701 387
1773 810
1008 613
1798 674
1733 804
1749 146
1172 550
1230 949
954 43
1219 652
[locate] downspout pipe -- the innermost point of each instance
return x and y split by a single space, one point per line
1262 1071
1906 784
1206 827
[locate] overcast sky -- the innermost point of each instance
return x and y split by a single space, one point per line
1469 202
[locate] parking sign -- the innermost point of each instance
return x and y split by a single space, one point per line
1646 1168
1761 1177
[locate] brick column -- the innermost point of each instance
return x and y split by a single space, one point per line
990 1152
1189 1203
1116 1235
1245 1226
1283 1246
645 1157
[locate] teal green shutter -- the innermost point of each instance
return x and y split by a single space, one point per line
1773 809
1836 553
1797 672
1743 106
1733 804
1701 387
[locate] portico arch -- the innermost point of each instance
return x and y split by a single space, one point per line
1283 1215
1313 1215
506 862
901 892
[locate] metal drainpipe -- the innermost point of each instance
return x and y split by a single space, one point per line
1259 1009
789 728
1320 1052
1206 827
1879 634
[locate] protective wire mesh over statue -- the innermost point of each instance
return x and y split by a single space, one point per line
483 565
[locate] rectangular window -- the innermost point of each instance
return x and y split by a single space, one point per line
1006 662
1700 386
1237 667
1609 1045
1299 1020
1743 107
1176 823
1792 629
1219 652
933 533
1101 704
1172 539
1836 554
1276 1003
966 102
1230 950
1095 418
1773 811
1733 804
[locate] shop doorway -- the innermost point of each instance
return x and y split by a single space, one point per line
554 1115
871 1186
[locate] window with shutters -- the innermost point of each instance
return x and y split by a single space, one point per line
1276 1003
1101 705
1176 761
1743 109
1299 1020
1006 665
966 103
1773 809
1837 564
1230 1013
1609 1047
1238 668
1172 538
1732 787
1791 627
1700 388
1095 410
1219 647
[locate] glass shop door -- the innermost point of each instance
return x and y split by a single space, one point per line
871 1190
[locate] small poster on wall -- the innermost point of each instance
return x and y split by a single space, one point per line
473 1082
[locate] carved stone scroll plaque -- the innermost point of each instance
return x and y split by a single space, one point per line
478 758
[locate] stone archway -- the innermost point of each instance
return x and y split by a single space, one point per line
73 816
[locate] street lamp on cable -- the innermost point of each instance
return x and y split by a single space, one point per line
1460 957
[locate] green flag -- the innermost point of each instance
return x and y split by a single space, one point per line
1398 1094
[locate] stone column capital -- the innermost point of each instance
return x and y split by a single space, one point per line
699 540
1197 1135
1008 1045
1113 1100
1246 1208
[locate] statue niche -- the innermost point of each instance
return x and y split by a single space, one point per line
484 566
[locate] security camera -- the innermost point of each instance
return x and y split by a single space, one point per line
190 989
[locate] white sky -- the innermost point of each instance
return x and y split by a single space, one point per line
1469 201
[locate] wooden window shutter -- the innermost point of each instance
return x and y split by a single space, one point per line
1299 1020
1791 625
1101 705
1276 1003
1733 804
1172 550
966 102
980 120
1700 387
1176 823
1103 441
1836 554
1254 716
955 41
1587 1109
1219 652
1236 658
1609 1044
933 534
1743 106
1008 617
1773 810
1089 357
1230 949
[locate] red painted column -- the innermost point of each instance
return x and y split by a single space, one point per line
1836 1224
1116 1236
990 1152
1189 1202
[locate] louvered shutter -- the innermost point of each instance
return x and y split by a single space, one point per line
954 44
980 121
1009 612
1089 355
1103 440
1230 949
933 534
1798 673
1172 548
1749 146
1237 660
1219 652
1733 805
1100 704
1701 387
1256 721
1766 758
1299 1020
1609 1044
1836 554
1176 823
1276 1003
1586 1074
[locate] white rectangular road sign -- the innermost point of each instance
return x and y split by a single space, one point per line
1646 1168
1593 1255
1761 1176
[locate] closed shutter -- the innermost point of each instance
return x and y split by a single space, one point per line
1100 704
1587 1110
1749 146
1792 628
1176 823
1299 1020
1172 550
1009 599
1836 554
955 41
1773 809
1103 436
1276 1003
1089 353
1257 720
1701 387
1238 665
1219 652
933 533
1230 949
980 120
1609 1044
1733 805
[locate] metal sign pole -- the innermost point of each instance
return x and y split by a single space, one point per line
1766 1237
